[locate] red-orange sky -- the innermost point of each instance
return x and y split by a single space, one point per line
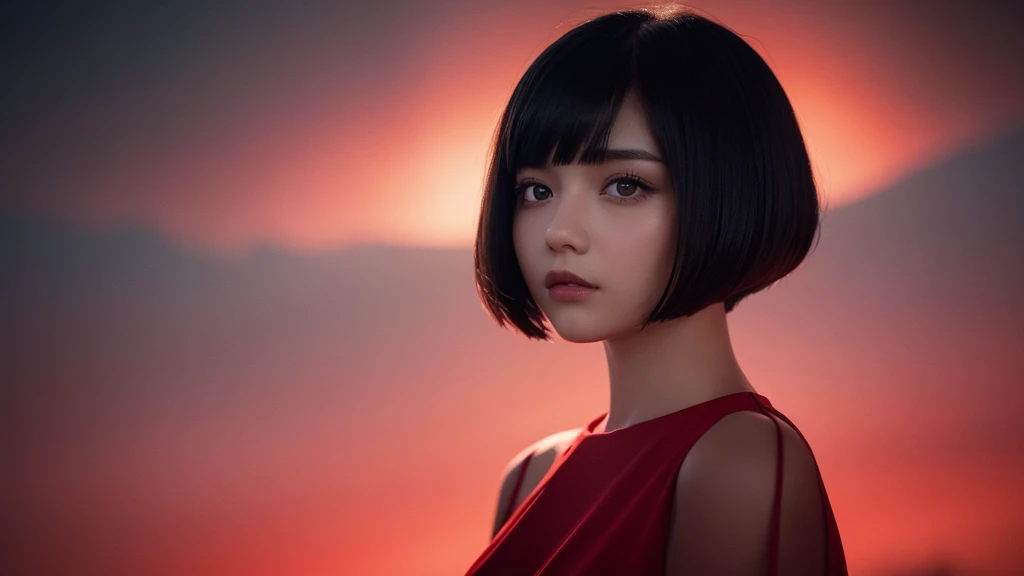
214 366
320 128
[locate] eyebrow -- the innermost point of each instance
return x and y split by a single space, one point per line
631 154
621 154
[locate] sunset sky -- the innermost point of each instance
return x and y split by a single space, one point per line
226 126
241 332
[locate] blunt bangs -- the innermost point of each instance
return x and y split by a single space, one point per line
570 96
747 206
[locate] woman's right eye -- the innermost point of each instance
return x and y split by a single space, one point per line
539 189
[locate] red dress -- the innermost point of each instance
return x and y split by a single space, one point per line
587 518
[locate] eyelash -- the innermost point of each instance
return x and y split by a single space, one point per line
630 177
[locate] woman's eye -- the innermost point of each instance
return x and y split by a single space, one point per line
541 192
622 190
625 187
626 190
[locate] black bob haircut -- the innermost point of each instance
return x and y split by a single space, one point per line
746 202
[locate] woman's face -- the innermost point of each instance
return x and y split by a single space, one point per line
610 231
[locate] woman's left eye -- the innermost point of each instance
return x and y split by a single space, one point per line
637 190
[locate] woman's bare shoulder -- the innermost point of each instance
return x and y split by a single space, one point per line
724 497
551 445
543 454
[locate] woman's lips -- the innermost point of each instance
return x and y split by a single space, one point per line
570 292
564 277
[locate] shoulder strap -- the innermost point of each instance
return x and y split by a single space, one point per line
833 545
515 489
773 536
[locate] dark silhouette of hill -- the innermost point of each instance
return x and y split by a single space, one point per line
939 254
957 224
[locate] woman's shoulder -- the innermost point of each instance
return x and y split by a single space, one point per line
751 431
749 440
552 443
725 492
537 459
747 445
541 453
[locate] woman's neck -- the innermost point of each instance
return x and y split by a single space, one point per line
669 366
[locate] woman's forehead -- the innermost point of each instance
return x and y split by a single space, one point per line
546 134
630 136
630 129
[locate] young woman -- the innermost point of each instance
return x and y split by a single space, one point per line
647 175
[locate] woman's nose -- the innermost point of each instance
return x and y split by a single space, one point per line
568 225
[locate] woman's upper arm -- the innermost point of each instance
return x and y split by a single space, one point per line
505 492
725 488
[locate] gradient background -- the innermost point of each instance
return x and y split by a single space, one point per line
240 333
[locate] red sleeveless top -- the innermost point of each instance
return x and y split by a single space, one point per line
587 518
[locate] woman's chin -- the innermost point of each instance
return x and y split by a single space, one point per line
578 332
